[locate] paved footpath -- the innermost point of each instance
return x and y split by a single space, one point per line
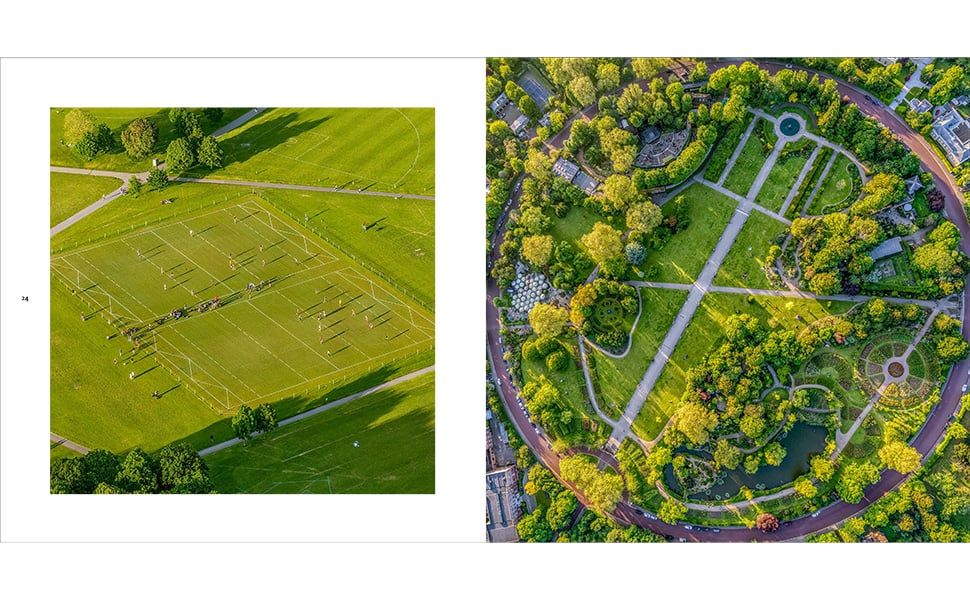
124 177
63 441
699 289
798 182
330 405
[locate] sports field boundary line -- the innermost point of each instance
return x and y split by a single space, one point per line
304 188
367 265
330 405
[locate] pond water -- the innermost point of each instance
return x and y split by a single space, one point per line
802 442
789 126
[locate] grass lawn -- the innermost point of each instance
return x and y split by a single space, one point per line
399 247
743 265
841 183
616 378
705 331
323 327
725 148
117 119
570 382
379 149
681 259
70 193
393 427
780 180
746 168
95 404
578 222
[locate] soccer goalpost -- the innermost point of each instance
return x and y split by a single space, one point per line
182 365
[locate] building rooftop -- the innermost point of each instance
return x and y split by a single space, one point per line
519 124
502 504
952 132
890 247
565 169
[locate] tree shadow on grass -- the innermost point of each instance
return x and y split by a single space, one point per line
262 136
221 430
369 446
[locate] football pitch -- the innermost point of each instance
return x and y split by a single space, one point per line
241 304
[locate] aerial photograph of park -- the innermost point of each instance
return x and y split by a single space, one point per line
726 299
242 300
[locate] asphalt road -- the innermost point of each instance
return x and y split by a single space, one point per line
926 439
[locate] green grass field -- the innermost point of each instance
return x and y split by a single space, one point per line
71 193
780 181
379 149
746 168
399 247
618 377
744 264
681 259
394 429
578 222
117 119
706 330
836 189
252 349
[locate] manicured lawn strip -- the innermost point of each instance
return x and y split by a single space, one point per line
703 334
118 119
92 400
394 430
725 148
746 168
780 180
399 244
618 377
837 190
808 184
743 265
70 193
378 149
681 259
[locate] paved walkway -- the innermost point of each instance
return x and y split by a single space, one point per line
300 187
316 411
697 292
63 441
589 382
911 83
237 122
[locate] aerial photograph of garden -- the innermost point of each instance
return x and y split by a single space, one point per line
242 300
726 299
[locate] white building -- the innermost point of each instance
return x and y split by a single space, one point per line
952 132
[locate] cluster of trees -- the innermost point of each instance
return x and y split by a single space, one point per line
603 489
939 262
542 524
947 339
584 79
192 146
248 422
924 509
595 528
86 135
833 250
554 414
604 143
176 469
526 236
547 349
946 85
665 105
